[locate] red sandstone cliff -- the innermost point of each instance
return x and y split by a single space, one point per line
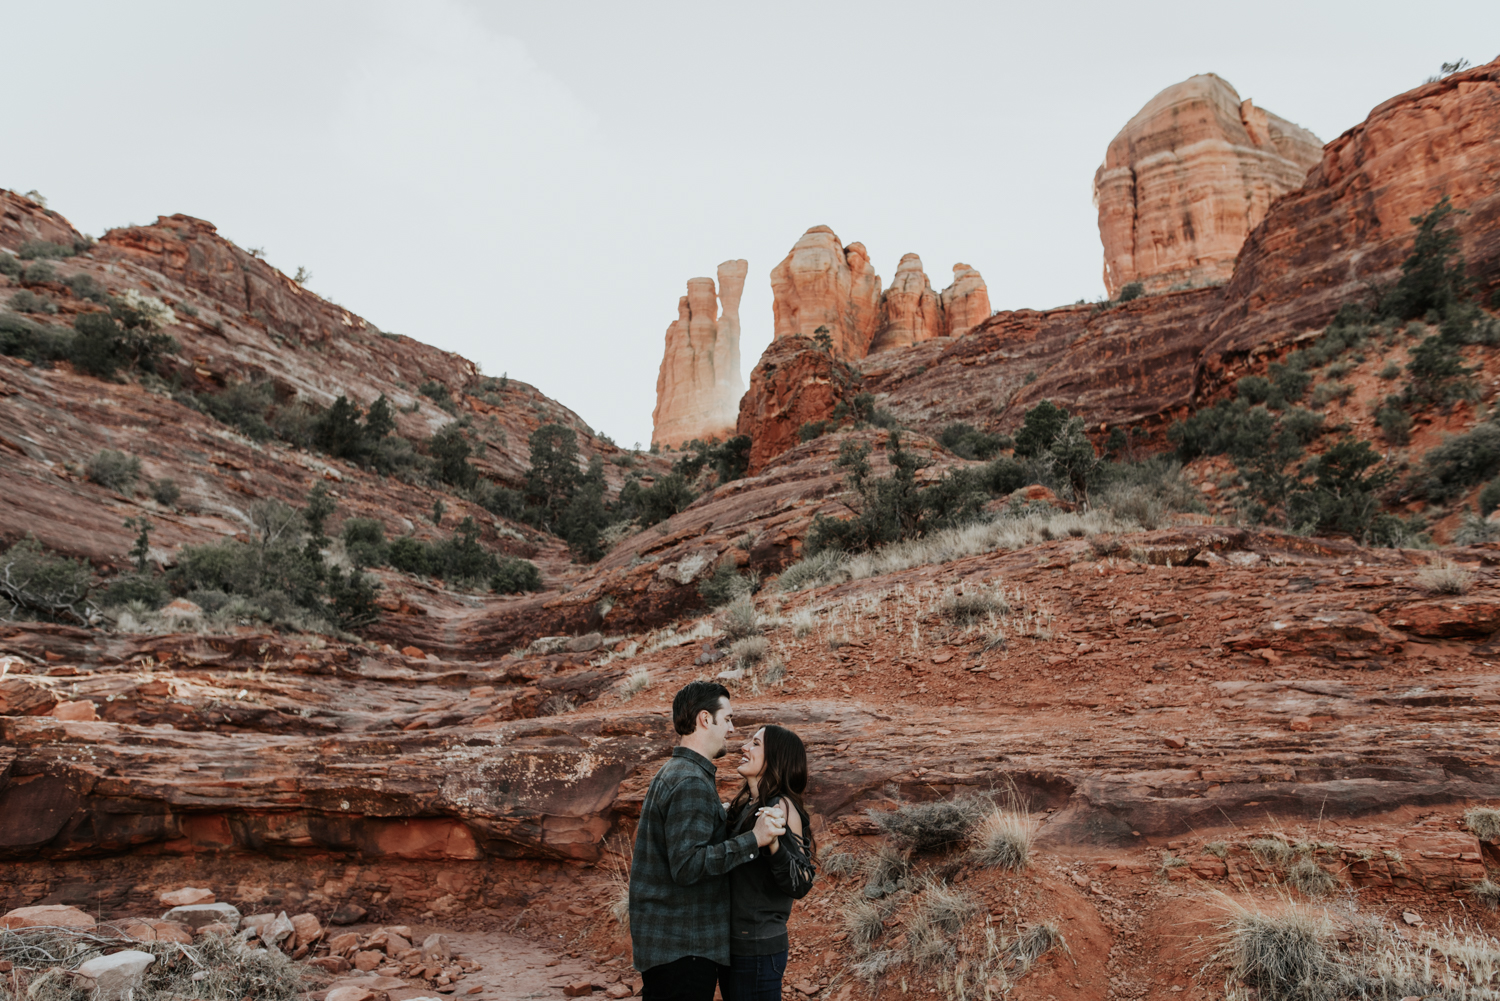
1187 179
699 385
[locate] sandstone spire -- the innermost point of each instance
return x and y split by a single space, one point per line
965 303
822 283
1187 179
699 386
909 308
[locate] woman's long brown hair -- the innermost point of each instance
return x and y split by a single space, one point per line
785 775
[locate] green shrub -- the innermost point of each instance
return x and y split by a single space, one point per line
728 461
925 827
351 598
243 406
43 250
35 274
1327 392
459 560
39 345
515 575
165 491
102 346
1461 462
1489 498
1342 494
42 584
364 541
1132 290
968 442
131 587
1389 371
439 394
1438 374
1394 421
10 266
27 301
813 571
450 450
658 502
113 470
726 583
1433 276
814 429
85 287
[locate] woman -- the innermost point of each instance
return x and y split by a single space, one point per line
761 891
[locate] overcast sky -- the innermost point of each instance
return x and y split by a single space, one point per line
531 185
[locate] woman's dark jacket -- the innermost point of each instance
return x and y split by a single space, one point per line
761 893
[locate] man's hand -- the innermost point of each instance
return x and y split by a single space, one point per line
770 824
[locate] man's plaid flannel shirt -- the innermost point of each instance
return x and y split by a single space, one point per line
679 886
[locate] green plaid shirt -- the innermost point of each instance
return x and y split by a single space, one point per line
679 884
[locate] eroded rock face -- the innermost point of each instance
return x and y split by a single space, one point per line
823 283
22 219
795 383
1186 181
1350 226
699 386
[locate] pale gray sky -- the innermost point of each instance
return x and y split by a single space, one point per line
532 184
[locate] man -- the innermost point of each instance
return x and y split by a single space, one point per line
679 890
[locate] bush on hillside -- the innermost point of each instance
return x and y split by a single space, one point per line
1461 462
727 583
40 345
1433 276
27 301
728 460
515 575
1437 374
39 584
32 250
1132 290
439 394
1489 498
658 502
968 442
364 541
113 470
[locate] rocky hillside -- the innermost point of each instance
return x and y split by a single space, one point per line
1082 738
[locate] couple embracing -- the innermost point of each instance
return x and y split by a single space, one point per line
712 884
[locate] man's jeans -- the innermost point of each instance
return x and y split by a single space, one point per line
691 978
753 978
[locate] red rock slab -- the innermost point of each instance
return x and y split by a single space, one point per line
1474 616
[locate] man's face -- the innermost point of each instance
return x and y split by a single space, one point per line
718 726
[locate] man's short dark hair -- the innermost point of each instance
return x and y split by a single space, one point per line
695 697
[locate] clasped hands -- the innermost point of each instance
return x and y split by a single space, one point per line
770 824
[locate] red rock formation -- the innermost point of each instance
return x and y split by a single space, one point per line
795 382
966 303
22 219
909 309
822 283
1188 178
1350 226
699 386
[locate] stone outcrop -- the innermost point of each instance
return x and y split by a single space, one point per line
1350 226
796 382
823 283
699 386
1188 178
23 220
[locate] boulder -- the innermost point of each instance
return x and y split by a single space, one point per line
436 946
186 896
307 928
347 914
1188 178
195 916
698 386
349 994
47 916
278 931
368 960
341 944
172 931
116 976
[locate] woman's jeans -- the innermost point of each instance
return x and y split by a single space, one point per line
753 978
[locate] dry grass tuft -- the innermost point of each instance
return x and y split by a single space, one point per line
1004 839
839 864
1486 892
1031 944
1272 850
884 870
827 567
864 923
803 622
739 618
971 607
748 652
1483 822
1444 577
1309 878
1281 955
637 681
932 826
